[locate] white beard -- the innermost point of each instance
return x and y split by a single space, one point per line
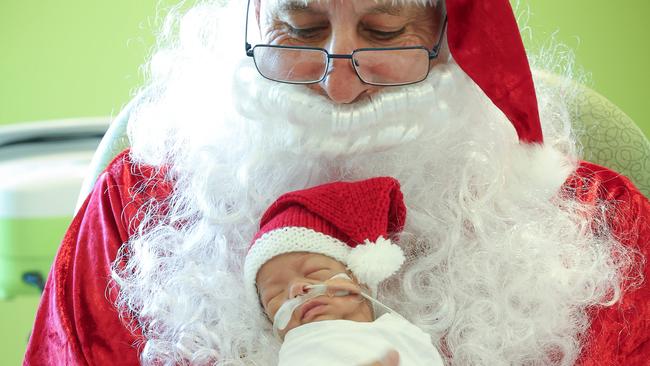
501 268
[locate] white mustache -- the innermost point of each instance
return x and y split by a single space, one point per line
313 124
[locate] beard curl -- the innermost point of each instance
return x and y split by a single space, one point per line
502 266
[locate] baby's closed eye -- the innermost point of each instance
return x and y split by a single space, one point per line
319 274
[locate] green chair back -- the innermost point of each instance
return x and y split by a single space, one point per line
610 138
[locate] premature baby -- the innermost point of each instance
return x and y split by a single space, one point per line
316 288
338 326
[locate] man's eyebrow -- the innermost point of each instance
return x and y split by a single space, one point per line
297 6
387 8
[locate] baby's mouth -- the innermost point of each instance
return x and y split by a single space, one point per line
311 309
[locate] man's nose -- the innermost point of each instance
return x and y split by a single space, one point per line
342 85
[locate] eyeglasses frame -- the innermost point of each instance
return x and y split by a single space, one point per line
433 53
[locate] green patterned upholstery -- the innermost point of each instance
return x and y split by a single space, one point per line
608 136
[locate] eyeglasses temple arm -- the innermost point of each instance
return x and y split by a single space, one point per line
434 51
247 46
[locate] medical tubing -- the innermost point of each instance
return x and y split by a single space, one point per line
283 315
379 304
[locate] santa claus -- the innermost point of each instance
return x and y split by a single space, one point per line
517 252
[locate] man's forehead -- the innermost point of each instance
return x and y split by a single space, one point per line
382 2
387 6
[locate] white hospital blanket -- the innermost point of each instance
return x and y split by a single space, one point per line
350 343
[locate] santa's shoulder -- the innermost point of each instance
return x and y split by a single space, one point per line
619 334
127 185
124 168
592 182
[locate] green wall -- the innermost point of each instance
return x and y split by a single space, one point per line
611 42
75 58
71 58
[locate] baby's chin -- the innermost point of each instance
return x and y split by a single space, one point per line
323 317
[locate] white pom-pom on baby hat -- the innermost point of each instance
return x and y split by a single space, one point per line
374 262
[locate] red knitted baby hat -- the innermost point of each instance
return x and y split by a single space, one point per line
348 221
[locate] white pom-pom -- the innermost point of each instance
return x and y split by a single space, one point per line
541 169
372 263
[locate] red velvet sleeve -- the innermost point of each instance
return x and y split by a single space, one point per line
620 334
76 322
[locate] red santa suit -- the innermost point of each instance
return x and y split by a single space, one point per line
77 322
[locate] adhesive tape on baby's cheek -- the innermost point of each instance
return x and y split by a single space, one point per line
283 315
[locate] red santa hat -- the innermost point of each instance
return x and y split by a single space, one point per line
348 221
484 39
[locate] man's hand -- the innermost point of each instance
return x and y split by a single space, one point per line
390 359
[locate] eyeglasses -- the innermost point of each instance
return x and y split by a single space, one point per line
386 66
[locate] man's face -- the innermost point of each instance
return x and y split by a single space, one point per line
285 277
341 26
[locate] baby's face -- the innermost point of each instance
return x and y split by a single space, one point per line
285 277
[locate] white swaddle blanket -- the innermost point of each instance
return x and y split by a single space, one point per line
350 343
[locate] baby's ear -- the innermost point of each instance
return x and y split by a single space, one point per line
265 313
268 317
258 299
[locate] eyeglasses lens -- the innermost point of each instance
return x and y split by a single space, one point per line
391 67
294 65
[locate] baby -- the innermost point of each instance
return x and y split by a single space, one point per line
315 264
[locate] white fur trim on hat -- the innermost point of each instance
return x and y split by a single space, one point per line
374 262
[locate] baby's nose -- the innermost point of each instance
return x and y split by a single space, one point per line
297 289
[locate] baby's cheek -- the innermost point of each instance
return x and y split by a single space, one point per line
349 305
361 311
